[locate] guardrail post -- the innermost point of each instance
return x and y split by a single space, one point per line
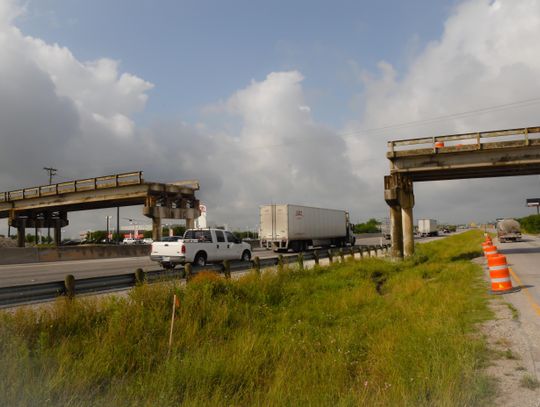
188 271
316 257
69 286
257 264
330 256
342 255
280 263
140 277
351 252
361 252
227 269
301 261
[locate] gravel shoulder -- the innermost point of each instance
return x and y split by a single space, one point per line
513 338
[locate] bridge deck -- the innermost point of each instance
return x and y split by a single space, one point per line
93 193
470 155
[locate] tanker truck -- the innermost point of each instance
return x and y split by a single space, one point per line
294 227
508 230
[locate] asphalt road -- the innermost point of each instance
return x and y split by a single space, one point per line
19 274
524 261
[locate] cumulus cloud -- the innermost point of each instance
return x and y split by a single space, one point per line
263 144
486 56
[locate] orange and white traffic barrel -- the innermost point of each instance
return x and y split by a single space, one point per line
499 275
490 250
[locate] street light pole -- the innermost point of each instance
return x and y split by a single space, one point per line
52 172
108 228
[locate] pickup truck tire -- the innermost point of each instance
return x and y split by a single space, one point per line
200 259
246 256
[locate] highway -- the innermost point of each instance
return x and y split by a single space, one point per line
524 259
18 274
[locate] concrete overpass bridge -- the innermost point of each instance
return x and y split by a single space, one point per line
47 206
500 153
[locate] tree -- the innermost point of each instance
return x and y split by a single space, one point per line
371 226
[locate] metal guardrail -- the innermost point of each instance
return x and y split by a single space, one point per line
88 184
21 294
472 141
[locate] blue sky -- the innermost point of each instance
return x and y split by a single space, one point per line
264 101
198 52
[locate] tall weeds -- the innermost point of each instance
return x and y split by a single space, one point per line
370 332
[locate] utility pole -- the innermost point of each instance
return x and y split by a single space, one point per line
52 173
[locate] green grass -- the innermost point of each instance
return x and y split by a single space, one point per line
371 332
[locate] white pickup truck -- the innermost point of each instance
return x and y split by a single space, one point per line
199 246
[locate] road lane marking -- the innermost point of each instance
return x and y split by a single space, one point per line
534 305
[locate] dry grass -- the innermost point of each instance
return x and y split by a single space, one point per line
370 332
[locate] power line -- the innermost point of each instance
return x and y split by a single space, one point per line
522 103
365 132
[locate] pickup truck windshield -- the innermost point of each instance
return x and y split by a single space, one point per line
203 236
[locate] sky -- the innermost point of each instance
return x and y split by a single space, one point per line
283 102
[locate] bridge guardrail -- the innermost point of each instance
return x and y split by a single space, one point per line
471 141
88 184
26 293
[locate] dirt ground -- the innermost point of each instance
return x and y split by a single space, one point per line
514 344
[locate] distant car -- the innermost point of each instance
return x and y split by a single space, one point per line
148 240
128 240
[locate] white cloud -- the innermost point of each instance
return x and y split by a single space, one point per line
263 144
487 56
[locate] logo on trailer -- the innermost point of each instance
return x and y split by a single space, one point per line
299 214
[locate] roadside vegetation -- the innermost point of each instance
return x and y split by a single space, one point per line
371 332
371 226
530 224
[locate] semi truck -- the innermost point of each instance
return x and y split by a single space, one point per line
427 227
508 230
293 227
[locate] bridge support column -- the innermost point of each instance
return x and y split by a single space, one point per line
21 231
398 194
408 231
407 203
396 232
57 232
157 232
190 223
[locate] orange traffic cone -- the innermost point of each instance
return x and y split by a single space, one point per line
500 275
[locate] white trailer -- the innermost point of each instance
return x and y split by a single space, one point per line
295 227
427 227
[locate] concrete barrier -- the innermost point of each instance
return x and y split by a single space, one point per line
47 254
17 255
